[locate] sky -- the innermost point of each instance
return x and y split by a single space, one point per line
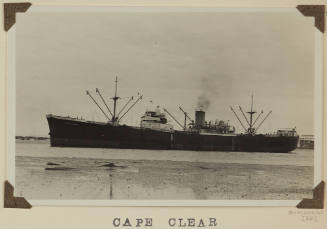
172 58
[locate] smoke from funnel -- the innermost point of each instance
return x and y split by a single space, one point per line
203 102
209 89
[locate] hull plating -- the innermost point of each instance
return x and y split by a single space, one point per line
66 132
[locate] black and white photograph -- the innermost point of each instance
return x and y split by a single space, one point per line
163 104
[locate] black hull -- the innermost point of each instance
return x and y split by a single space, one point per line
67 132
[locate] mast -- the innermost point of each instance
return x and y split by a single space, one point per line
185 122
114 118
251 129
251 113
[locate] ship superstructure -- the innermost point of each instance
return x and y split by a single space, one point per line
155 120
210 127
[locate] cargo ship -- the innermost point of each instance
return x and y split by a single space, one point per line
155 132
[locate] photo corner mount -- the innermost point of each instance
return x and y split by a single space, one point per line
10 10
10 201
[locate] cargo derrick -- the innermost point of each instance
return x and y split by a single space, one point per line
114 120
251 130
185 117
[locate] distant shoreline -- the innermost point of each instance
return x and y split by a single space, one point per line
31 138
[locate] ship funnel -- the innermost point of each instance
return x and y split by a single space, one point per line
199 118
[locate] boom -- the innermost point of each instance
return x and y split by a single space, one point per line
257 117
138 99
173 118
185 116
97 90
244 115
88 93
238 118
263 120
130 99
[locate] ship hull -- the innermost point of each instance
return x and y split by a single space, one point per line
68 132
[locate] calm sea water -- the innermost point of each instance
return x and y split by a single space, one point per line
44 172
299 157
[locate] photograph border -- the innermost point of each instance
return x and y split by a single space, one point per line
11 118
